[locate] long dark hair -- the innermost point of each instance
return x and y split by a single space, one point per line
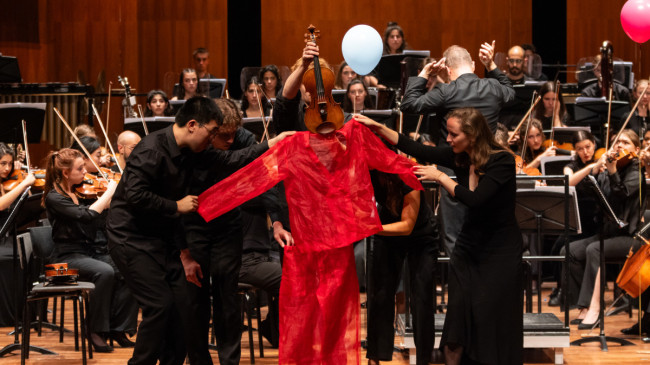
389 28
273 69
181 88
348 106
6 150
580 136
475 127
549 86
57 161
244 98
168 110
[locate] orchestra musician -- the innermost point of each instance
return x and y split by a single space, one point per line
621 185
357 97
126 142
6 169
483 322
271 82
620 92
515 62
644 156
464 89
394 42
344 75
158 104
250 100
544 111
409 233
535 149
581 166
79 240
201 57
639 120
187 85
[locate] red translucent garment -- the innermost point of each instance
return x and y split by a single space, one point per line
327 183
331 205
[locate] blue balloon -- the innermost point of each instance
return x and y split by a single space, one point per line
362 48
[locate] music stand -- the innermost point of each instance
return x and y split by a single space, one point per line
388 117
153 124
593 112
389 69
606 212
11 116
554 165
339 95
11 224
212 87
550 210
9 70
512 112
176 105
256 126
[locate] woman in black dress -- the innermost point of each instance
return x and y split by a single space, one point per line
484 321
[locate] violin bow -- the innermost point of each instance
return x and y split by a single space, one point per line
108 110
259 104
79 142
524 142
144 124
525 116
417 128
24 124
630 115
106 136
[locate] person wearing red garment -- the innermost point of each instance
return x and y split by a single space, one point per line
331 202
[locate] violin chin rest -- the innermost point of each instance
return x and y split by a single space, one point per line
325 128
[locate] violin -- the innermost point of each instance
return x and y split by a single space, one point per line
523 169
59 273
92 187
623 158
563 146
323 115
13 180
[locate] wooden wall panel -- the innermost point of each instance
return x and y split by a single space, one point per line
590 22
149 41
432 25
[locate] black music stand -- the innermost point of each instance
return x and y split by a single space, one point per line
593 112
606 212
212 87
389 69
548 210
9 70
153 124
256 126
11 116
388 117
11 225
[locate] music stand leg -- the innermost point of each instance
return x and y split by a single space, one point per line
601 315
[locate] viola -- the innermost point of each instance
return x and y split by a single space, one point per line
323 115
13 180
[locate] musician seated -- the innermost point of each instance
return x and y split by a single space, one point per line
639 120
530 51
271 82
126 142
535 148
94 149
7 197
187 85
620 186
251 99
581 166
344 75
515 65
544 111
394 42
620 92
201 58
83 130
357 97
158 105
78 231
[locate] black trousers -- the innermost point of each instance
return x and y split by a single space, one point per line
258 270
386 260
220 260
162 294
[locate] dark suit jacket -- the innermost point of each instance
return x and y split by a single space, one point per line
487 95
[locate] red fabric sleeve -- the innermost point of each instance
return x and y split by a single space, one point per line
245 184
379 157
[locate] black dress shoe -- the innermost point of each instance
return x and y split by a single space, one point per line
121 339
634 330
576 321
555 301
99 344
588 326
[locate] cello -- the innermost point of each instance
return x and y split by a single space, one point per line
323 115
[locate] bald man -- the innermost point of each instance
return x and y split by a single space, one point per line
126 142
515 62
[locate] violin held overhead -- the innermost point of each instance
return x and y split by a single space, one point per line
323 115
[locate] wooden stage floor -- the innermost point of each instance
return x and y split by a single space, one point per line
588 354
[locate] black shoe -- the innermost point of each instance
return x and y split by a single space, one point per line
576 321
556 300
99 344
121 339
634 330
554 293
588 326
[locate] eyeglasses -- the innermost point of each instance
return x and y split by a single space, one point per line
211 132
515 61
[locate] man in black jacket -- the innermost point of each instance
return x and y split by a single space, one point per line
465 89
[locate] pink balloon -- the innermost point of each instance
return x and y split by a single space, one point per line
635 19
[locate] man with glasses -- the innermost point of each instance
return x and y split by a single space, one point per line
126 142
515 62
